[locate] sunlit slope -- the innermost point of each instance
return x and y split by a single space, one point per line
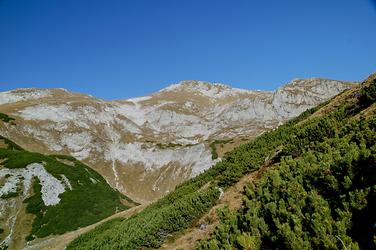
321 193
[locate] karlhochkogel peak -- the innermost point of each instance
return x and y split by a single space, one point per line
194 84
154 142
208 89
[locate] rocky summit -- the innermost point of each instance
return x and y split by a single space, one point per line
146 146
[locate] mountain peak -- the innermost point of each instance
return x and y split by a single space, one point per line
188 84
203 88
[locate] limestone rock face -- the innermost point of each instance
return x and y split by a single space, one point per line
145 146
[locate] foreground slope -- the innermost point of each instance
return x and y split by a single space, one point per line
41 195
319 192
145 146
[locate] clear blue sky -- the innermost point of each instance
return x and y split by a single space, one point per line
125 48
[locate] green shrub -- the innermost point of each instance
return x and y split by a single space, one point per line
6 118
368 94
214 148
9 195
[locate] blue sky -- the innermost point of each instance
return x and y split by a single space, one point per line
119 49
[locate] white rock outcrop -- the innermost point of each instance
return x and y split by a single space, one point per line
17 177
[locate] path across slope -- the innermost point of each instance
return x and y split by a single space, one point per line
59 242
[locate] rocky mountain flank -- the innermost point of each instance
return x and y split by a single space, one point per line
145 146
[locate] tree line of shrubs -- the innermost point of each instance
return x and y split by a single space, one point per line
320 195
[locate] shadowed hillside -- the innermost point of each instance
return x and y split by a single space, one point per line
41 195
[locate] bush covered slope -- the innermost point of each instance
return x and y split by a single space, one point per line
318 194
85 198
321 194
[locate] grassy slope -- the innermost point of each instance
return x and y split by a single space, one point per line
85 204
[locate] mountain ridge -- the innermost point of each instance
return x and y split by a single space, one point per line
179 84
157 140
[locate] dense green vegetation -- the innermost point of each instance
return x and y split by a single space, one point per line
150 227
320 194
90 200
9 195
368 95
